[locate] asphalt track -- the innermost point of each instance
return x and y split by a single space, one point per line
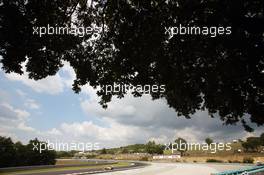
154 169
84 171
177 169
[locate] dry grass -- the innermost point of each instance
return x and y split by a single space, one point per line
233 158
72 162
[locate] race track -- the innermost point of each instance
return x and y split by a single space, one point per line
176 169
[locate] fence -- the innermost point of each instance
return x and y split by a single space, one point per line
256 170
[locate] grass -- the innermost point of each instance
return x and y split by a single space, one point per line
233 151
231 156
46 170
73 162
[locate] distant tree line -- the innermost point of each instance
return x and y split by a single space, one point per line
150 147
65 154
253 144
16 154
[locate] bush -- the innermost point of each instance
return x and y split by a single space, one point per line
214 160
90 156
234 161
195 161
144 159
248 160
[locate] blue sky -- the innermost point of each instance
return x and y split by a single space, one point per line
58 108
48 109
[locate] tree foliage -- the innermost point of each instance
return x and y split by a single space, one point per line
209 141
253 143
223 75
153 148
182 145
65 154
103 151
7 152
17 154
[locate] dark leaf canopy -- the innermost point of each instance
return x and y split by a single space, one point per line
223 74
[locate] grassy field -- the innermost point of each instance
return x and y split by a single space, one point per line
46 170
224 156
224 159
195 152
199 156
73 162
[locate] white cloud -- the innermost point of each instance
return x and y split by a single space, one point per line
126 121
21 93
29 102
32 104
13 113
22 114
50 85
69 74
22 126
13 119
159 123
5 133
54 132
154 120
113 135
4 96
90 92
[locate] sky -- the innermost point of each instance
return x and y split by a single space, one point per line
48 109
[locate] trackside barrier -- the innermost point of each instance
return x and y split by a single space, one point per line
256 170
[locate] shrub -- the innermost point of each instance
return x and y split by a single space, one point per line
248 160
176 160
90 156
214 160
234 161
144 158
